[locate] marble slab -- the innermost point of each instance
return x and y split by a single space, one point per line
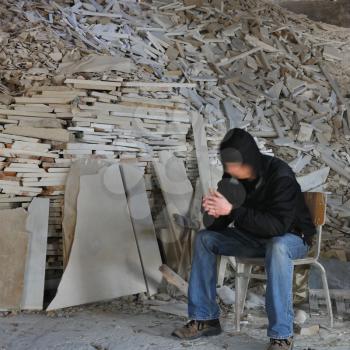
200 141
77 169
104 262
141 219
313 180
177 193
13 250
34 278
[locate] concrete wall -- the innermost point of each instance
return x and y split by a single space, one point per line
335 12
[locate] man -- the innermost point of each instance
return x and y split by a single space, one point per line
273 222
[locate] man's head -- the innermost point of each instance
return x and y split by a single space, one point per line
239 171
240 155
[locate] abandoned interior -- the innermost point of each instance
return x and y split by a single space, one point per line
111 117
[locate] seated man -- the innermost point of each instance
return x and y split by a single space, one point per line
273 222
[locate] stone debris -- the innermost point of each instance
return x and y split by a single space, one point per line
121 80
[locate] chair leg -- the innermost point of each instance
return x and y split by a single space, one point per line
241 287
326 291
232 262
222 270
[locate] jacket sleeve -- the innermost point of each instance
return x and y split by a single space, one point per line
219 223
277 217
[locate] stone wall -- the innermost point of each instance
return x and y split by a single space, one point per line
328 11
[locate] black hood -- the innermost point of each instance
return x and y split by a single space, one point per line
239 146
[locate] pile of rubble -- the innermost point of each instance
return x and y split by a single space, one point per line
120 80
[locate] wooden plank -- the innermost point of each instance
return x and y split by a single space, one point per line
316 202
195 223
174 279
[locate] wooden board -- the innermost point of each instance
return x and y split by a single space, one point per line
174 279
316 202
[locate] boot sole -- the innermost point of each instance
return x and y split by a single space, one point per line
209 333
292 346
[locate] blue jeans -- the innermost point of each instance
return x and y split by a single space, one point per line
278 252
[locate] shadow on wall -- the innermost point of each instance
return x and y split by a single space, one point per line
335 12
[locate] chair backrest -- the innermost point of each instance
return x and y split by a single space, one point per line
316 202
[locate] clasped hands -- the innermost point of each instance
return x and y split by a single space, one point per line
215 204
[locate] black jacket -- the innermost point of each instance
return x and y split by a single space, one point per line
274 203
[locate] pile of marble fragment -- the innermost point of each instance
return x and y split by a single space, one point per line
122 79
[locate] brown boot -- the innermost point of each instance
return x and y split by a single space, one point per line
281 344
196 329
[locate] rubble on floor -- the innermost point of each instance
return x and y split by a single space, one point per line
130 323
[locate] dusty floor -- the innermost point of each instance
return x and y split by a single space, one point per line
129 325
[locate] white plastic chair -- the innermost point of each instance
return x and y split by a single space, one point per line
316 202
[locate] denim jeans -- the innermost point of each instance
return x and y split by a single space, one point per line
278 252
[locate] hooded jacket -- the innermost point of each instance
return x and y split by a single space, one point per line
274 203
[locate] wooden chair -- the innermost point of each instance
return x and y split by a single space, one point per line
316 202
